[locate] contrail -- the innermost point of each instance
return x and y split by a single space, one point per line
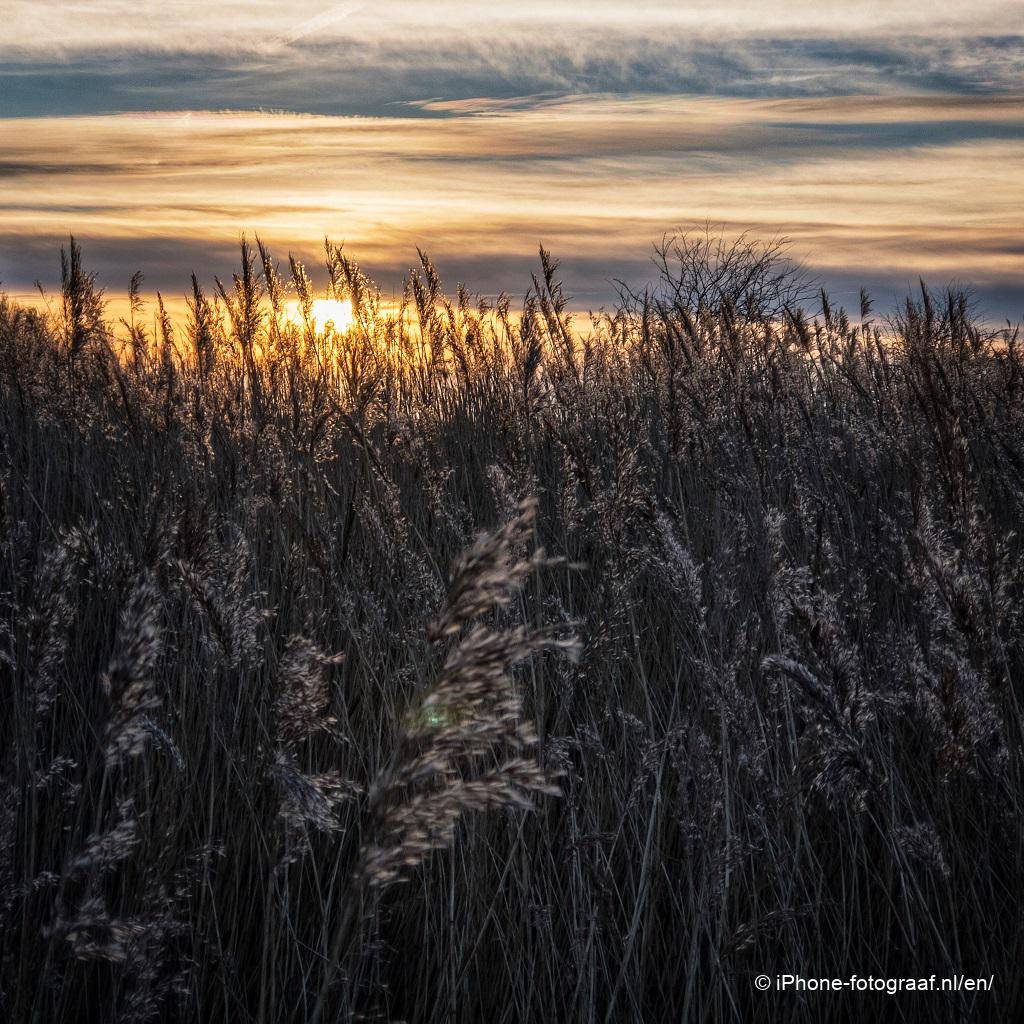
339 12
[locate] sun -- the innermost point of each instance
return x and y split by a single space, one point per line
334 313
327 315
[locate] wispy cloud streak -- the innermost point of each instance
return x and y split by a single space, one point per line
192 25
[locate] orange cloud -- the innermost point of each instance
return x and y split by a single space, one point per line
595 179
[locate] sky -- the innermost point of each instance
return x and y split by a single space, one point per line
884 139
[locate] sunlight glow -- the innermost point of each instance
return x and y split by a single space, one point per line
334 313
328 315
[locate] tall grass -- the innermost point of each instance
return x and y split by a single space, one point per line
285 736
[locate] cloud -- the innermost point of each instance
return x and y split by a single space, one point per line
893 186
880 136
80 26
354 58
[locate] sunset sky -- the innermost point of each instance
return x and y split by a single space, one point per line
885 139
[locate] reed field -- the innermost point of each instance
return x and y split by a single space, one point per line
476 661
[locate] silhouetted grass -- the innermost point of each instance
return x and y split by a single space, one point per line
262 760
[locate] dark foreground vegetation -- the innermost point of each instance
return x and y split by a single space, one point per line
269 743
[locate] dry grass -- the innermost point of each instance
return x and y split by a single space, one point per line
242 698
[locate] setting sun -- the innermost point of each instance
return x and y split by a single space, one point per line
333 313
326 314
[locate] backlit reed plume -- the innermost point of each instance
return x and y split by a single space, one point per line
464 745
